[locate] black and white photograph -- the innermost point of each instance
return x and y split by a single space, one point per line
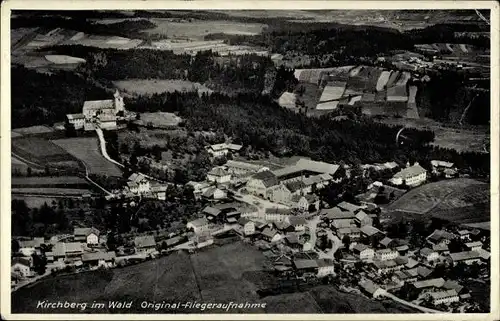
251 161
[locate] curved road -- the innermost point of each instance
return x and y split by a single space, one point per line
418 307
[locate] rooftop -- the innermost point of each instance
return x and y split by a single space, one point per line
411 171
305 264
218 171
336 213
370 230
243 165
107 256
439 282
297 220
199 222
466 255
98 104
267 178
295 186
144 241
75 116
85 231
369 286
345 206
324 262
443 294
211 211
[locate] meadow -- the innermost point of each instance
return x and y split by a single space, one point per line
158 86
87 150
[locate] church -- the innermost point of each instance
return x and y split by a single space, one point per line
102 113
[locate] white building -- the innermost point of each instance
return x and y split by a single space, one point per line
429 255
218 175
259 183
364 252
22 266
444 297
467 257
78 120
138 184
412 176
386 254
199 226
325 267
277 214
243 168
247 225
220 150
89 235
474 246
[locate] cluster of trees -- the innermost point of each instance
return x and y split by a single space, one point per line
43 221
46 99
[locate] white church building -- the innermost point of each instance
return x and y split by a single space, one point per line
98 112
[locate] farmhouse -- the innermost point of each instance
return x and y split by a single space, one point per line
474 246
303 169
294 241
338 218
467 257
411 176
364 252
21 265
297 187
298 222
218 175
89 235
199 226
247 225
212 214
214 193
279 194
277 214
371 288
68 251
464 235
304 202
259 183
444 297
305 267
28 248
440 237
270 235
77 120
138 184
387 243
363 219
353 233
219 150
429 255
371 232
426 286
144 244
318 181
325 267
96 259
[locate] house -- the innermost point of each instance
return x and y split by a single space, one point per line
441 249
247 225
431 285
144 244
214 193
338 218
305 202
279 194
402 249
371 288
107 121
428 255
405 276
22 266
238 168
447 168
89 235
68 251
259 183
28 248
304 168
444 297
77 120
93 108
387 243
138 184
219 150
346 206
363 219
212 214
353 233
294 241
423 272
454 285
270 235
325 267
364 252
283 226
98 259
467 257
464 235
411 176
159 191
371 233
297 187
474 246
412 263
277 214
199 225
305 267
198 188
440 237
218 175
386 254
298 222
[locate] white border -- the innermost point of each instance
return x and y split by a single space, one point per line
5 162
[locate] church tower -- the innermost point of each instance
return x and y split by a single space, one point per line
119 105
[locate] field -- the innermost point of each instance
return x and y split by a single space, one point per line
199 29
149 87
50 191
459 200
447 137
112 42
149 137
54 181
40 129
87 150
62 59
34 201
159 119
42 152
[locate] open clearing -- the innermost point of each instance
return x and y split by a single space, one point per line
461 140
112 42
54 181
459 200
149 87
50 191
199 29
42 152
34 201
39 129
159 119
63 59
87 150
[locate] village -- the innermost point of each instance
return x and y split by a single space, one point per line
279 212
